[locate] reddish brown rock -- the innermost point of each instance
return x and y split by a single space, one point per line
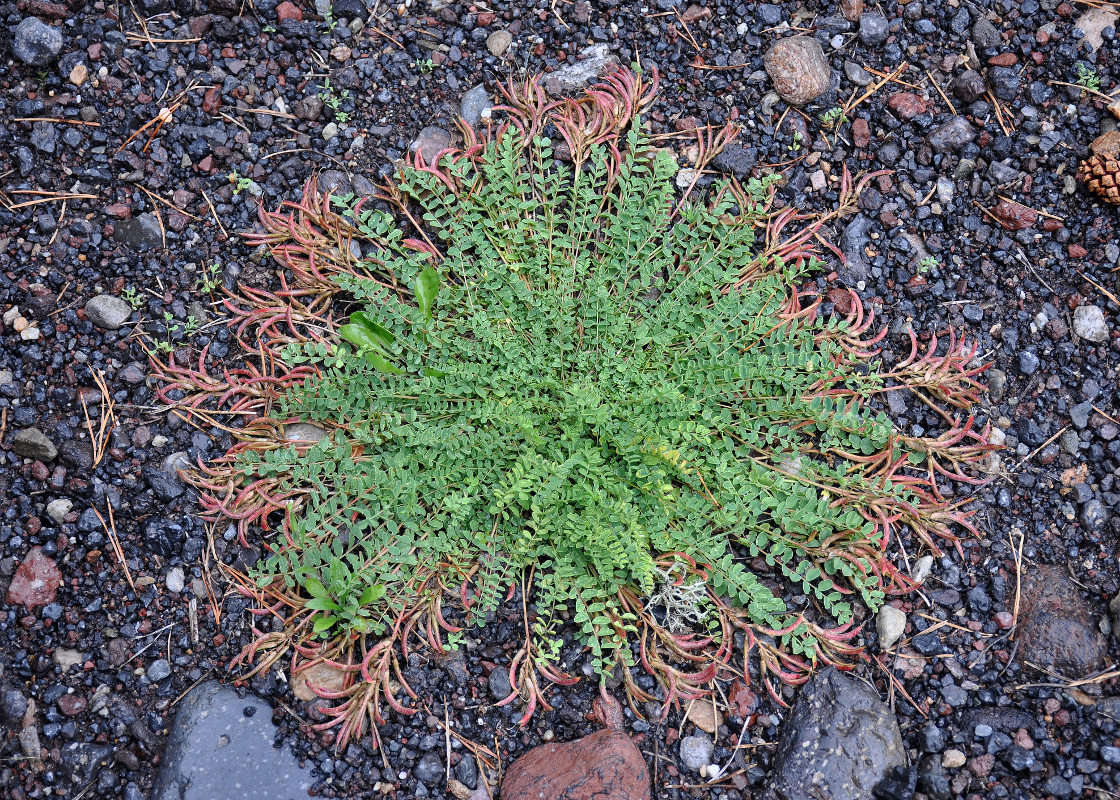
287 10
212 100
605 764
36 581
72 704
1014 216
1004 60
861 132
907 105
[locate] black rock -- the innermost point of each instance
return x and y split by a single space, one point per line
932 779
840 740
164 483
164 537
429 769
220 740
931 738
736 160
968 86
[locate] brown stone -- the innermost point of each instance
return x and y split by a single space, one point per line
36 581
604 764
851 9
799 69
317 676
72 704
287 10
1014 216
1101 171
212 100
1056 628
1004 60
907 105
861 132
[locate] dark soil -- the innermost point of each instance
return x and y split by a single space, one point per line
104 664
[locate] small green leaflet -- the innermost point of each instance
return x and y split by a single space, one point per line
427 287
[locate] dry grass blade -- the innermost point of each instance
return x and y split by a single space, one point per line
111 530
99 440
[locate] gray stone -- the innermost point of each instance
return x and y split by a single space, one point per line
857 74
36 43
303 432
890 623
839 741
873 28
984 34
1089 324
429 769
696 752
142 232
498 42
592 63
33 443
108 311
158 670
176 580
997 383
475 105
952 135
44 137
430 142
221 746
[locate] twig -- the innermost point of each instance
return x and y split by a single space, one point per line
221 227
59 120
111 530
1100 288
1018 553
1038 449
944 96
107 422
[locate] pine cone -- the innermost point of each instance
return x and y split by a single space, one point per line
1101 170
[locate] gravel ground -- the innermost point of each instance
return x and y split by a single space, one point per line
95 667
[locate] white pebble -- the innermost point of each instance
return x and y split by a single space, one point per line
175 580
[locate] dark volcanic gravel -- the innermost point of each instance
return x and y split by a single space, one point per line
979 226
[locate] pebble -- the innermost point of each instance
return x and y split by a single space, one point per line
696 752
158 670
591 64
952 135
968 86
952 759
175 580
498 42
857 74
107 311
36 43
475 106
922 568
430 142
873 29
33 443
799 69
890 623
1089 324
58 509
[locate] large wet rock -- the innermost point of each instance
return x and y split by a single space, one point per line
799 69
604 764
1056 629
839 741
36 43
221 746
